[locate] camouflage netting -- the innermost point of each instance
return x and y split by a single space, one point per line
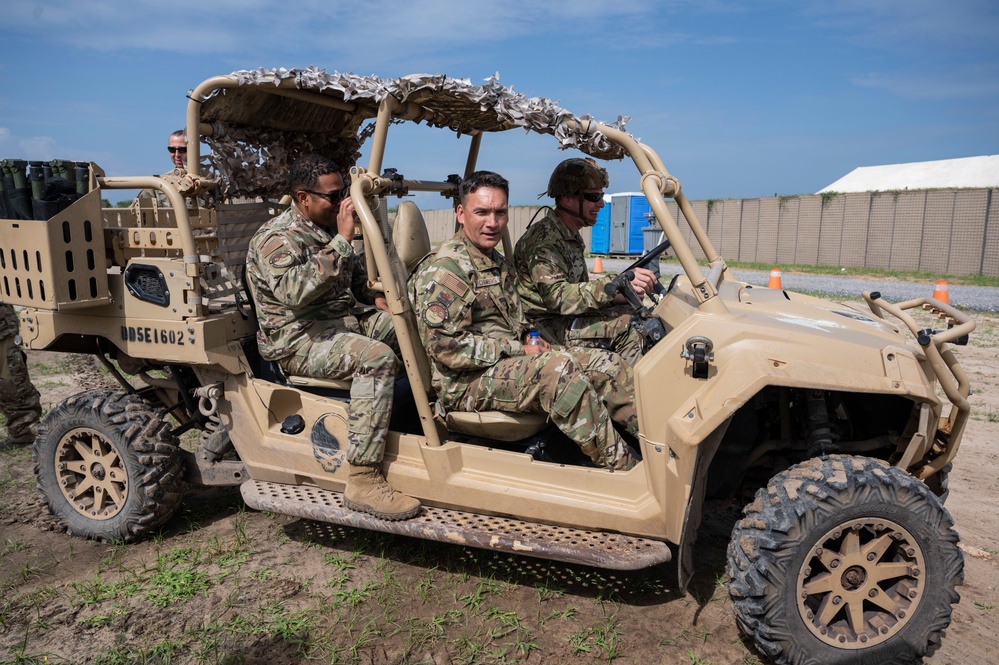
257 134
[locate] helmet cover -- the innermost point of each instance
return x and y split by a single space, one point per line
576 174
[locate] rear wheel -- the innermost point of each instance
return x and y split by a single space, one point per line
108 466
841 560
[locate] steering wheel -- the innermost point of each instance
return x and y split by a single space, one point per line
647 324
649 257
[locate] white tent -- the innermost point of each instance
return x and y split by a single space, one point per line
966 172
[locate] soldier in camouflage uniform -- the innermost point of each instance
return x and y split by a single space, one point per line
552 277
471 323
177 147
306 282
19 400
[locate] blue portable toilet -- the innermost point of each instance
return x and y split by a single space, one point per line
629 217
600 233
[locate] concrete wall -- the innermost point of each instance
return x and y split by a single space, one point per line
944 232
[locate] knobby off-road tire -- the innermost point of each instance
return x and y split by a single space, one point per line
844 560
107 465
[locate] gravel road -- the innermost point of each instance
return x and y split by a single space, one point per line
976 298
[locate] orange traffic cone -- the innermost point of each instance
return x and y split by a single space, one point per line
598 266
774 279
940 292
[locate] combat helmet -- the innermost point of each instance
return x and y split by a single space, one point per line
576 174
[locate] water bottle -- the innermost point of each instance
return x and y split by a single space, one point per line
533 338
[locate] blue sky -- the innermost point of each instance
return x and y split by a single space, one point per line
741 99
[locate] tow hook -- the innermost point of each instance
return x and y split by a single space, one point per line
208 398
699 351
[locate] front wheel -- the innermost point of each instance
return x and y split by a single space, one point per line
107 465
844 560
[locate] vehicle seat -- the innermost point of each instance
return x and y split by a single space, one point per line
410 236
412 244
499 425
313 382
274 369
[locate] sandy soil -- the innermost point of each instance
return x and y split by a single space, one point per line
221 584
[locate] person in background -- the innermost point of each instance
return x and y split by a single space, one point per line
19 399
177 147
552 277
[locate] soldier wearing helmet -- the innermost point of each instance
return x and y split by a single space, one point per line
552 277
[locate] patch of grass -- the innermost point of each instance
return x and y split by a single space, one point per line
175 584
42 368
546 590
43 385
565 614
985 607
11 546
604 637
355 597
174 577
426 588
95 590
696 660
483 590
8 481
685 635
339 562
276 620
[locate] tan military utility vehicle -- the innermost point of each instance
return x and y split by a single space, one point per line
828 412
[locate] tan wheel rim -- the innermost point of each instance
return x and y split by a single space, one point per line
91 474
861 584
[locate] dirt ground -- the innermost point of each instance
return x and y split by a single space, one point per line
223 584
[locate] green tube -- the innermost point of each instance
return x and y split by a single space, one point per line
82 180
37 180
17 167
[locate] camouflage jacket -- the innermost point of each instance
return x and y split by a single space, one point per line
8 321
468 313
304 281
552 277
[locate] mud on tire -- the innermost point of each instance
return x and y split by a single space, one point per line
844 560
107 465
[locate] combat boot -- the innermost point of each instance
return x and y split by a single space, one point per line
368 492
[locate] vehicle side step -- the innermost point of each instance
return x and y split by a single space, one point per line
590 548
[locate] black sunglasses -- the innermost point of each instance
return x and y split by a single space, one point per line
334 196
174 149
592 197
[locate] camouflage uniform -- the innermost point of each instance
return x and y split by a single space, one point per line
471 323
19 400
304 283
553 283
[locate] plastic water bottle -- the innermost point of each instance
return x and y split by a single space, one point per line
533 338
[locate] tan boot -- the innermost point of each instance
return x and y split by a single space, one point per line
368 492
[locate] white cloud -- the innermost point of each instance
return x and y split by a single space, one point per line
35 147
44 148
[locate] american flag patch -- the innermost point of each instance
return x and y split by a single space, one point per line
453 283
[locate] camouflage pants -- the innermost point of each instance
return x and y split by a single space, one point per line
371 360
611 328
19 400
583 391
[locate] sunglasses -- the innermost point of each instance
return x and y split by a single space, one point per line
592 197
174 149
334 196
